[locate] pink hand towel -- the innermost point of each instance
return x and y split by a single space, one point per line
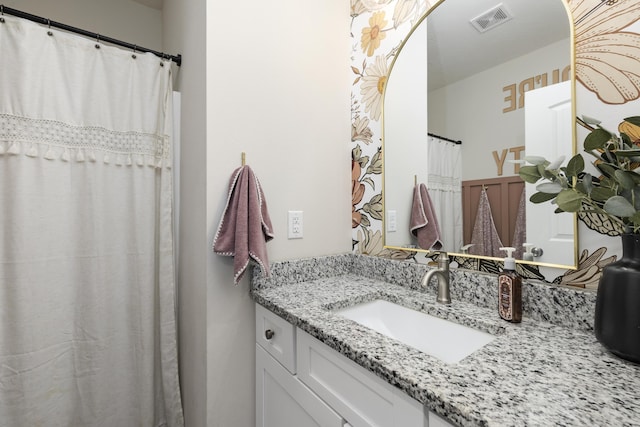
245 227
424 223
484 237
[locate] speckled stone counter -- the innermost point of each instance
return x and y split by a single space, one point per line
547 371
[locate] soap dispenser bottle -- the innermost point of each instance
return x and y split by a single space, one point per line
510 290
527 255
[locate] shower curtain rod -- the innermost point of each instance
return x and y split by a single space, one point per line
40 20
444 139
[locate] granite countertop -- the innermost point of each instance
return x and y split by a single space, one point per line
533 373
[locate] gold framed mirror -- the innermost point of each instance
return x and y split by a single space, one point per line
497 76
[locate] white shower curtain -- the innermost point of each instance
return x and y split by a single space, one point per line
444 181
87 298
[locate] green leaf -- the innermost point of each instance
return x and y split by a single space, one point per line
635 176
530 174
569 200
544 173
602 194
575 165
634 120
636 219
541 197
591 121
535 160
619 206
628 153
625 180
555 164
587 183
596 140
607 169
549 187
636 198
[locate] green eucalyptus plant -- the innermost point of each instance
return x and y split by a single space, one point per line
614 194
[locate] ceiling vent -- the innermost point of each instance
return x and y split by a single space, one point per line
491 18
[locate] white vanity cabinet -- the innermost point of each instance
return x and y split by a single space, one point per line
282 400
301 381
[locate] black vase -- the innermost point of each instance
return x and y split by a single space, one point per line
617 320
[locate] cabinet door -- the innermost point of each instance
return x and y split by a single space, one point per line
283 401
362 398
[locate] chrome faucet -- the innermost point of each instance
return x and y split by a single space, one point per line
442 272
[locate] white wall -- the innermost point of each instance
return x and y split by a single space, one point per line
405 133
121 19
184 32
278 87
479 121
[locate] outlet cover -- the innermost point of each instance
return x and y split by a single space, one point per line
295 225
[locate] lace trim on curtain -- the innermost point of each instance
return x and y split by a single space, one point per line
56 140
444 183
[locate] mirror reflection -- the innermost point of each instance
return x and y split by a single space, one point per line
476 86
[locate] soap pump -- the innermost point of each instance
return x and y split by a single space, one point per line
510 289
527 255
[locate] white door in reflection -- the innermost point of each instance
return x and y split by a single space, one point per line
548 127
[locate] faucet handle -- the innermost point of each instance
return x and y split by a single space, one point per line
443 260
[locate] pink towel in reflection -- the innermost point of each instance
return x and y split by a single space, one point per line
424 223
520 232
484 237
245 227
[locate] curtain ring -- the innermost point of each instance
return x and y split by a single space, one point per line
135 48
98 41
1 13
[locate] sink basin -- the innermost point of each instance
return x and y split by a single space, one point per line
448 341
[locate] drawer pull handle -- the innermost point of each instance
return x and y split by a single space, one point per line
268 334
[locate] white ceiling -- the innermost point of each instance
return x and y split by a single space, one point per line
457 50
156 4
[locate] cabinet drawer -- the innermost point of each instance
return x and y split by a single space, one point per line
277 337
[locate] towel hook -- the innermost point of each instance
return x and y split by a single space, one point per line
243 157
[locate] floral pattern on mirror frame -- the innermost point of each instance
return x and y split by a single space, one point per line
607 55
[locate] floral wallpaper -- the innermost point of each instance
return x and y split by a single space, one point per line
607 46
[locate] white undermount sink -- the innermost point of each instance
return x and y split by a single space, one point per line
448 341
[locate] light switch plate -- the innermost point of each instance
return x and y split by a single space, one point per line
391 220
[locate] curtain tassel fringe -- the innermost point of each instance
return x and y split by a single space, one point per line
80 156
32 151
50 154
14 149
65 155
